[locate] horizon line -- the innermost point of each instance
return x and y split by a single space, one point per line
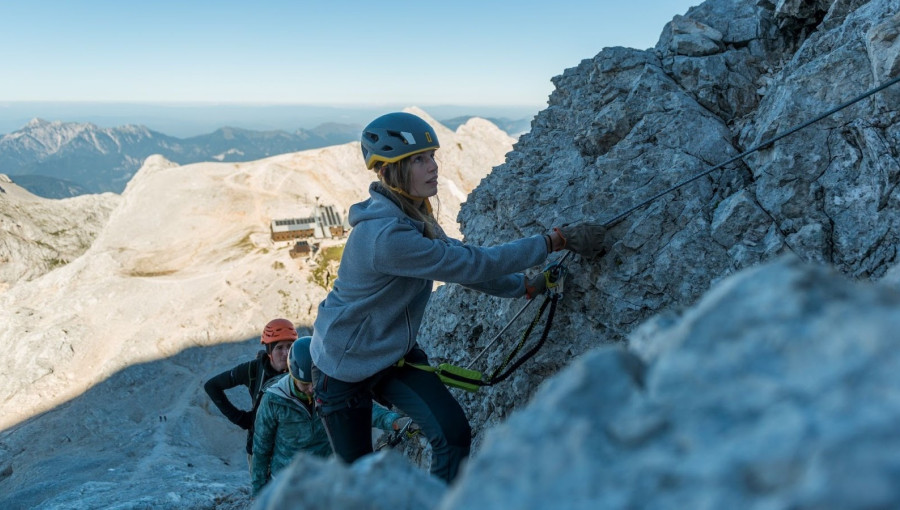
264 103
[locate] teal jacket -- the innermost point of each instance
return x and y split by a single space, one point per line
285 425
371 317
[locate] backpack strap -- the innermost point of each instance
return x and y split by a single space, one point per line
256 372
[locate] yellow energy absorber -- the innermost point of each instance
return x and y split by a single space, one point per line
451 375
459 377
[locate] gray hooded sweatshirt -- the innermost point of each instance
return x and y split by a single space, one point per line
371 317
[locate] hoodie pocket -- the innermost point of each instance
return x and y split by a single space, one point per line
357 341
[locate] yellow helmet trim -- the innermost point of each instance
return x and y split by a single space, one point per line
374 158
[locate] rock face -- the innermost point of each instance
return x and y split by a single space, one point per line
779 389
385 481
628 124
40 235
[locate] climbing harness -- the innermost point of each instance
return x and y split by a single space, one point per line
555 274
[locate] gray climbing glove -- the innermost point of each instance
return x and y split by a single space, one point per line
535 286
585 239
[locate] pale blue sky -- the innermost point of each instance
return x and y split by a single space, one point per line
324 52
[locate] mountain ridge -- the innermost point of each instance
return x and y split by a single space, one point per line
104 159
56 159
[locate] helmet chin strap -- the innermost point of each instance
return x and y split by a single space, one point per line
412 197
296 391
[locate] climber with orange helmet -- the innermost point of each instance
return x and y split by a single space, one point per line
277 337
369 321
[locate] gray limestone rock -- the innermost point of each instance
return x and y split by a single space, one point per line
628 125
777 390
381 481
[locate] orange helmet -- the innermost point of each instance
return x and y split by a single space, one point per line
278 330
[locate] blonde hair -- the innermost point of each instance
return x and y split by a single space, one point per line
396 179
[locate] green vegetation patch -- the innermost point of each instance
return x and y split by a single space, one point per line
327 262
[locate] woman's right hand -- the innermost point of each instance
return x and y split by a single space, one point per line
535 286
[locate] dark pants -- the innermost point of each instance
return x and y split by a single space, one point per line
346 411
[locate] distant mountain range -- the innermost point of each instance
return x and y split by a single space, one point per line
64 159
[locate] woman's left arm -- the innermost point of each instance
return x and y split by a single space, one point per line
508 286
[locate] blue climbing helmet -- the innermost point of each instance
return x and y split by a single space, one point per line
394 136
299 360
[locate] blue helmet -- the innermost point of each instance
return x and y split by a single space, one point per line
394 136
299 360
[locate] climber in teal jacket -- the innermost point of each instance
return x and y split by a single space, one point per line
286 422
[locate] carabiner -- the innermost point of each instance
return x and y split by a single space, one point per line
555 277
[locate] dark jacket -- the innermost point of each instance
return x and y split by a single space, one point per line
254 375
287 424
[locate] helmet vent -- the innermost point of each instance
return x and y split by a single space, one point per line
405 137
